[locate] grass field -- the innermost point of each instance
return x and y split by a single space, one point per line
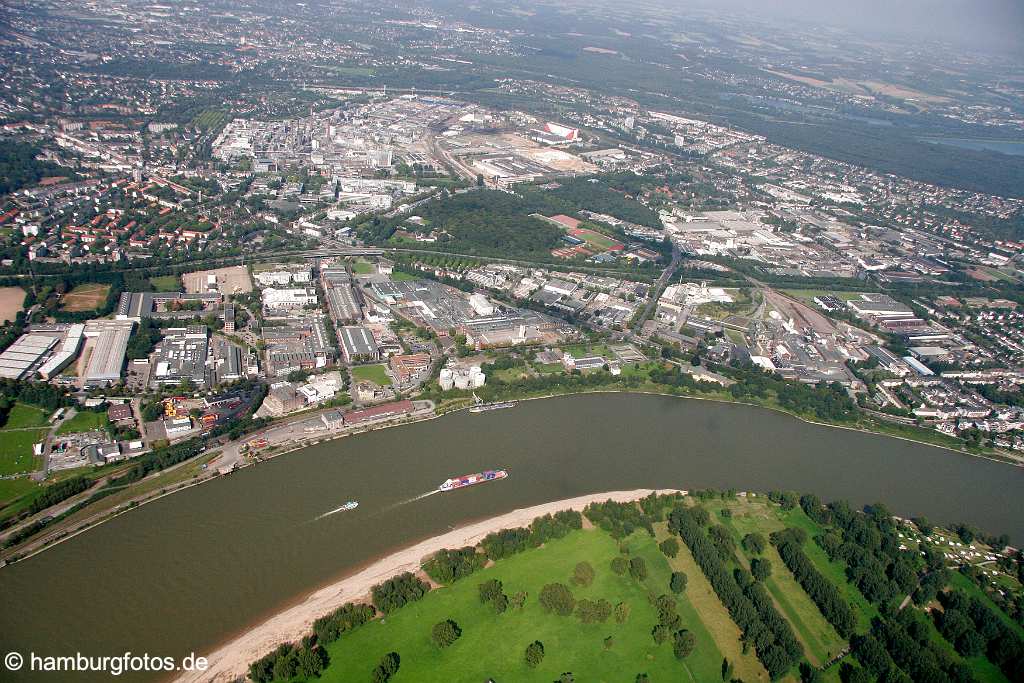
22 416
87 297
401 276
493 645
209 119
595 239
16 450
361 267
166 283
83 421
373 373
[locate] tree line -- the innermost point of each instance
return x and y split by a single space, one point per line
819 589
749 605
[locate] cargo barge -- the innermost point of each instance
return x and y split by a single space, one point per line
484 407
470 479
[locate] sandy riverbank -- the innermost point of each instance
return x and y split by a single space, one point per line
231 661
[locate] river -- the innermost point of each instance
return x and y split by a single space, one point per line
186 572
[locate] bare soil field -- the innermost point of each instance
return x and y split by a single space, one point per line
11 299
87 297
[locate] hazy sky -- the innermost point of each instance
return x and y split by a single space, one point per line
982 23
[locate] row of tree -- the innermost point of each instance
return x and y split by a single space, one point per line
819 589
509 542
751 608
973 629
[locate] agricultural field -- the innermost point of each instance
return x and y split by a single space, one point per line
376 373
84 421
86 297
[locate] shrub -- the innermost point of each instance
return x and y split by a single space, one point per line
678 582
620 565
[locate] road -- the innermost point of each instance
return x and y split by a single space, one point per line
659 285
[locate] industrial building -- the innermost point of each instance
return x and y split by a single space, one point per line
301 344
276 300
181 355
109 345
138 305
358 344
462 378
25 355
342 302
65 353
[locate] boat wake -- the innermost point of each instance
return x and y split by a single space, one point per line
412 500
346 506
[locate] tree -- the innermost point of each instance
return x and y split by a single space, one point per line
557 598
620 565
622 611
519 599
670 547
583 574
642 678
445 633
727 669
683 643
754 543
489 590
500 603
311 662
593 611
660 633
534 654
808 674
678 582
387 668
761 568
637 568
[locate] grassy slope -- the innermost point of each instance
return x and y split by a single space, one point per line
23 415
493 645
11 489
